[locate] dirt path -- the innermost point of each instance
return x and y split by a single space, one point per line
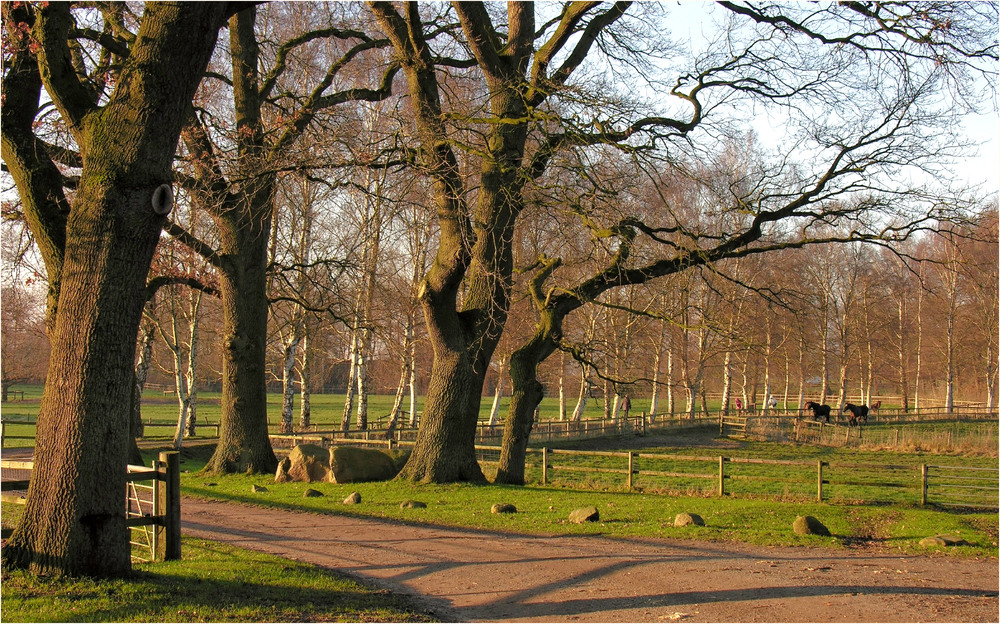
469 575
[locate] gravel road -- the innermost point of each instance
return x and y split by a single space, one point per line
469 575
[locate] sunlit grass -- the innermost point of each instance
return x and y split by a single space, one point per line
544 511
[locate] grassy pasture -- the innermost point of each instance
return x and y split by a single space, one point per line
544 510
855 475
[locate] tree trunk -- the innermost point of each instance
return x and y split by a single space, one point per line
495 408
608 399
244 223
404 374
767 370
305 407
352 375
562 387
288 376
73 522
670 382
951 282
727 380
445 447
825 348
148 334
526 395
904 390
413 382
244 445
842 385
581 400
654 398
920 339
363 383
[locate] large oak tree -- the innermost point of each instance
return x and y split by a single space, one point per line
97 242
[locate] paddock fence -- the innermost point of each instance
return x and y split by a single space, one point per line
152 503
719 475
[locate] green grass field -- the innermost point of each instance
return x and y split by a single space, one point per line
212 583
544 510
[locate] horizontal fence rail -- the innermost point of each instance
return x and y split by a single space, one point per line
952 486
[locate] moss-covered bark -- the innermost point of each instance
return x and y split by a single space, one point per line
74 521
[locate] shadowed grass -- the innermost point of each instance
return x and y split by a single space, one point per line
213 583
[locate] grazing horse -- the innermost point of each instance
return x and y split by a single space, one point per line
857 411
818 410
874 407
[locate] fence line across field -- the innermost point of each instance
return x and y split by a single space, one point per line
730 422
941 485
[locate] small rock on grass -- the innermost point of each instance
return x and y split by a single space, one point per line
412 504
584 514
807 525
684 519
257 489
353 499
311 493
503 508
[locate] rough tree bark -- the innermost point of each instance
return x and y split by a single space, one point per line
74 521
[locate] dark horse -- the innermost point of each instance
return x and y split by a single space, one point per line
857 411
819 411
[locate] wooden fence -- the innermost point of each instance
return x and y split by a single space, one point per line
152 512
940 485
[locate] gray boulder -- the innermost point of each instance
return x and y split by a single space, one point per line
257 489
340 464
584 514
503 508
684 519
412 504
353 499
807 525
311 493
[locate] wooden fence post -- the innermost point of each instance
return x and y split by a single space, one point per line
545 465
923 484
631 467
170 505
157 493
3 432
819 480
722 476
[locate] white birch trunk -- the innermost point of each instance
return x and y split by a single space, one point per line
142 373
291 346
305 407
581 401
495 408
